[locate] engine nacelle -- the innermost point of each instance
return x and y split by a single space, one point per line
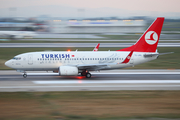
68 70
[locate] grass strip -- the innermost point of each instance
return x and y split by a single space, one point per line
90 105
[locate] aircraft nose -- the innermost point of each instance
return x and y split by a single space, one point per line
8 63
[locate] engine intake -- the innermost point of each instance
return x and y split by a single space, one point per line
68 70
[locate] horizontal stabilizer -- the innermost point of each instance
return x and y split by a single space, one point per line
156 54
166 53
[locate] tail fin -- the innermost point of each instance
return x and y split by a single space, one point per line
149 40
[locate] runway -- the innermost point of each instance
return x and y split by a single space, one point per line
15 45
11 81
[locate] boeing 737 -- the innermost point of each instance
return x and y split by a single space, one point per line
75 62
17 34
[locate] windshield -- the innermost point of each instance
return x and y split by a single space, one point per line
16 58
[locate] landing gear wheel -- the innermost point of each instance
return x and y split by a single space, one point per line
24 75
88 75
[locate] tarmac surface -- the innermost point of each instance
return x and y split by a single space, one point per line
14 45
12 81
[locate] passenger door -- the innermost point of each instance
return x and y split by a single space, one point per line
30 59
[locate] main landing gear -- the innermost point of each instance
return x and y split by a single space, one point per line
86 73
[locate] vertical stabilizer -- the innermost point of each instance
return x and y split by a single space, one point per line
149 40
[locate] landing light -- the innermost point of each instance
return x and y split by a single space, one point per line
80 77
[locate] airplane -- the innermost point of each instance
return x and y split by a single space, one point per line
74 62
17 34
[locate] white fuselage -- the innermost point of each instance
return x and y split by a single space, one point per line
51 61
18 34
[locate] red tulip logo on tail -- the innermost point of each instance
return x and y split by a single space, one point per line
151 37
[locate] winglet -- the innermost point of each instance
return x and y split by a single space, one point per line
128 57
96 48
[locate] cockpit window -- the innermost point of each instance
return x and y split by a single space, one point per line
16 58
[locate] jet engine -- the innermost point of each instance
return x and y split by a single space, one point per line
68 70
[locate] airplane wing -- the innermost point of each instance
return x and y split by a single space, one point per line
156 54
94 67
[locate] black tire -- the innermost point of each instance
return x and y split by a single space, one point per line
24 75
88 75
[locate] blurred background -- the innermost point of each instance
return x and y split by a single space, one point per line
117 17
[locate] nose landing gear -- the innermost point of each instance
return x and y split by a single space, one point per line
24 75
